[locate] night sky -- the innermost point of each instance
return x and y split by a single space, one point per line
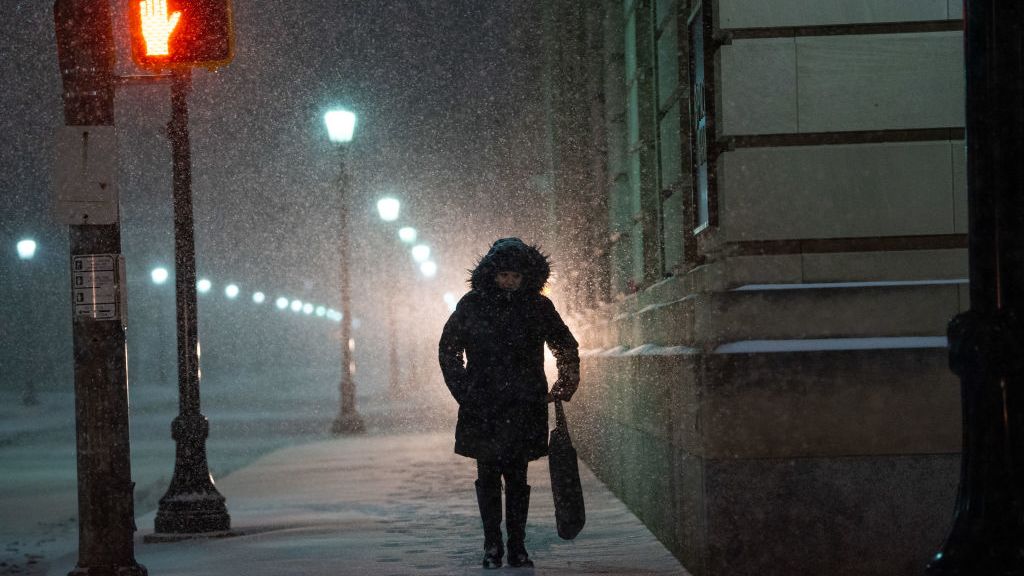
449 99
451 121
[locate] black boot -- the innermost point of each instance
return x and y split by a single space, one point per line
517 506
489 499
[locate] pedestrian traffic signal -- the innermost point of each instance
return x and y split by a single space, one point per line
175 33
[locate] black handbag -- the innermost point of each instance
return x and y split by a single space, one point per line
570 514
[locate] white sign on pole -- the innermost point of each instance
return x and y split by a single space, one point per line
97 287
85 175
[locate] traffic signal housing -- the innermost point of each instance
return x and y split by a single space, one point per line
181 33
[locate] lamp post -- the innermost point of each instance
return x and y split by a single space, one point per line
341 126
27 251
388 208
192 503
408 235
159 276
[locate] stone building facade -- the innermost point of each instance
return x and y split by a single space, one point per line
769 239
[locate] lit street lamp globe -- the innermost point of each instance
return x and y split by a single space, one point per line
296 305
26 249
407 234
281 303
159 275
204 285
341 125
320 310
231 291
451 301
307 308
428 268
388 208
258 297
421 253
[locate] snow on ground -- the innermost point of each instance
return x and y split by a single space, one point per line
248 418
400 504
394 501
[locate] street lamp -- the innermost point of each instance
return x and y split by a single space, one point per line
159 275
341 126
428 268
421 253
192 503
231 291
258 297
388 209
407 234
26 249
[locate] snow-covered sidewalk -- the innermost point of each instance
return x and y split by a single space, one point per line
400 504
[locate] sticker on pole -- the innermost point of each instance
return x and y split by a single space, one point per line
85 175
96 283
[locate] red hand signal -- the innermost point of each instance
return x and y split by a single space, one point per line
156 26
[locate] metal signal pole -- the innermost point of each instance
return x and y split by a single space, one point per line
192 504
106 523
986 343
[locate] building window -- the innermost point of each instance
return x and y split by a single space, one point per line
673 182
702 116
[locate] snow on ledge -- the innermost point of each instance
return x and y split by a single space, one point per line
765 346
641 350
875 284
817 344
655 350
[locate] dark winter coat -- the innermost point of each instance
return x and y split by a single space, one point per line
501 389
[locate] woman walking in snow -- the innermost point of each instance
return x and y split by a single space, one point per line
502 325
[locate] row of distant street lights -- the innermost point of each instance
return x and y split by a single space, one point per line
27 250
160 275
389 208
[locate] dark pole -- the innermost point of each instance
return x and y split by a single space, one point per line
394 376
106 522
986 343
33 364
348 421
162 323
192 504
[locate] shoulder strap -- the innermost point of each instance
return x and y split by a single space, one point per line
560 416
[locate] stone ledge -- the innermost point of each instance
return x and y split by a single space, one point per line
781 404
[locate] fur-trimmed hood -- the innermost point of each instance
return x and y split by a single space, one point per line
515 255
